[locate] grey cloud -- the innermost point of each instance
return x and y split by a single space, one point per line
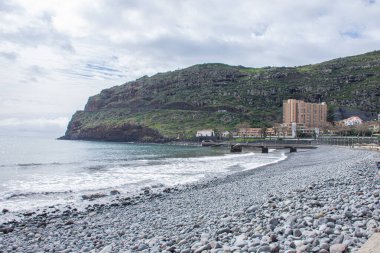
259 29
107 69
33 74
226 38
353 34
167 48
66 45
31 80
37 70
171 52
77 74
9 6
41 32
11 56
99 70
369 2
111 15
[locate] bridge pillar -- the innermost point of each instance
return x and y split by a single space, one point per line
236 148
264 150
293 149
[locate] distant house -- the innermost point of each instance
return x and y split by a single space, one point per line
226 134
205 133
249 132
255 132
352 121
374 127
270 132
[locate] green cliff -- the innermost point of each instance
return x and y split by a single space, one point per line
220 96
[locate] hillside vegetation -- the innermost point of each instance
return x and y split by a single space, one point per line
221 96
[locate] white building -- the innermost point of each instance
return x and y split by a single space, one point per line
205 133
226 134
352 121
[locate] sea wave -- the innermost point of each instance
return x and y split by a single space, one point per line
26 165
112 167
29 194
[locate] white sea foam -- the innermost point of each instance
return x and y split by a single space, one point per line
127 168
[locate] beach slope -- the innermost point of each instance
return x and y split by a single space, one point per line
323 200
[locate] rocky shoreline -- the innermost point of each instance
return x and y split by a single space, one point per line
323 200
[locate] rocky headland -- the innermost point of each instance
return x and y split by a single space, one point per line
176 104
323 200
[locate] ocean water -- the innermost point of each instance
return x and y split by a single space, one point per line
38 172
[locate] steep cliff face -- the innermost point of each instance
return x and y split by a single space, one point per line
177 103
173 90
127 132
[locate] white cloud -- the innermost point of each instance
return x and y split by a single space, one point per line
54 54
42 126
38 122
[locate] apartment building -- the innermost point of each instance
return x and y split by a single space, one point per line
306 114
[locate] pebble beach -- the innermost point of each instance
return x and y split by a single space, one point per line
322 200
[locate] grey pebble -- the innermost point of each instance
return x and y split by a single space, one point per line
322 200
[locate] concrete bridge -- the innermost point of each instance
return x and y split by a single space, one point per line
293 147
265 147
237 147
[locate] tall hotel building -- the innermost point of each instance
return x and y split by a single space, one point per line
305 114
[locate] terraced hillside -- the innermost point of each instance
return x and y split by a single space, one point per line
220 96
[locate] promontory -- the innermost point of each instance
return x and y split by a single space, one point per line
175 104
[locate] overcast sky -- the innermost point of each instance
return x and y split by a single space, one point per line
55 54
